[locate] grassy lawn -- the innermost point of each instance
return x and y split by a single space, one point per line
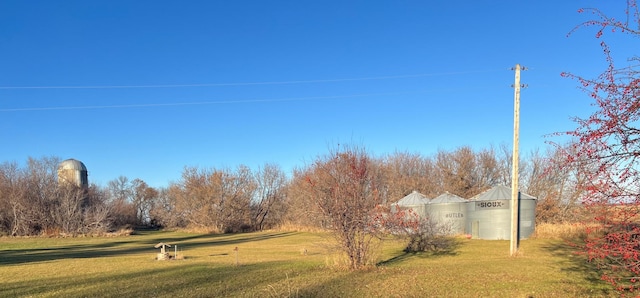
284 264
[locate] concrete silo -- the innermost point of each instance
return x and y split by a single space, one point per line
450 211
415 201
489 215
73 172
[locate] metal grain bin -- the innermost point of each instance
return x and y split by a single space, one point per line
449 211
74 172
416 201
489 215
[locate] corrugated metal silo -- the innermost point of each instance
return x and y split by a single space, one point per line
73 171
416 201
449 210
489 215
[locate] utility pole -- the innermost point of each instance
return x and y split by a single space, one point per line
515 208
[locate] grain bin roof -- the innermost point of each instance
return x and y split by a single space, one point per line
72 164
447 198
500 192
414 198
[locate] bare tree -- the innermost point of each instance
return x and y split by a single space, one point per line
405 172
345 188
120 189
142 198
163 211
123 211
42 183
300 206
218 199
13 201
488 168
268 204
466 173
96 215
69 208
558 188
505 160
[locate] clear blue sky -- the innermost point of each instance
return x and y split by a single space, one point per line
153 86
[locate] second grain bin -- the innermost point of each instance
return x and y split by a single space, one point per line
489 215
449 212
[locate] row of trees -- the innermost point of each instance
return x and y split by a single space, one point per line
32 202
224 200
230 200
463 172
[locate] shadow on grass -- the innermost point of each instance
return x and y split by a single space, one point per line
397 259
181 280
574 263
141 243
450 249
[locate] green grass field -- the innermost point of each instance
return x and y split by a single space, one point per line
274 264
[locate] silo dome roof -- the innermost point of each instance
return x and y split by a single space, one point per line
447 198
499 192
72 164
414 198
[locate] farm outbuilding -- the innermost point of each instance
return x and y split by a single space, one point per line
415 201
489 215
450 210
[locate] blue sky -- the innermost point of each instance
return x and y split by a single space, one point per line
145 88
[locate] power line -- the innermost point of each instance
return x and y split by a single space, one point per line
208 102
249 83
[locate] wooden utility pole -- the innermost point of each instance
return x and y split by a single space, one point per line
515 218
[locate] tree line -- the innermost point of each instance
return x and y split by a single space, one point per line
32 202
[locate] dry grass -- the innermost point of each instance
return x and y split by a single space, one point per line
559 231
199 230
118 233
57 233
291 227
284 264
